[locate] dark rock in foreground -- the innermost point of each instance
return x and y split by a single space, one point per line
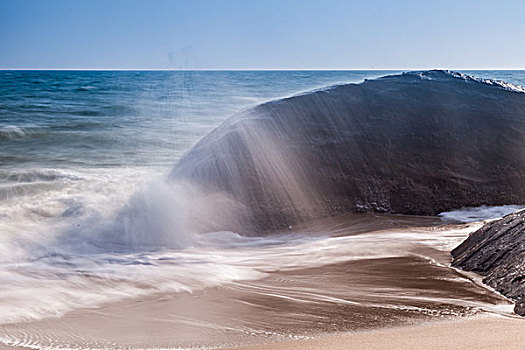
417 143
497 252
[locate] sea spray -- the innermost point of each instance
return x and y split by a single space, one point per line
158 215
145 239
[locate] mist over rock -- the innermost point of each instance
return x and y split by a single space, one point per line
497 252
415 143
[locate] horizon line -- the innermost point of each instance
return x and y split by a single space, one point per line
253 69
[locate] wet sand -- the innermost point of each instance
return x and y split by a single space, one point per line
288 305
402 279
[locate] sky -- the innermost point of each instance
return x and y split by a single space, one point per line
264 34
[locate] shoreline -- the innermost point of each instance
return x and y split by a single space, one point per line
384 278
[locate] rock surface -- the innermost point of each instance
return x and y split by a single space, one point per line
497 252
416 143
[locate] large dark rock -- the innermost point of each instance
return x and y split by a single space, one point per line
497 252
416 143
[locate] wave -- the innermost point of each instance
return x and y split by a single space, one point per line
498 83
25 189
109 110
44 130
399 144
102 236
445 75
12 132
76 125
29 182
34 106
36 175
86 88
89 280
156 239
27 131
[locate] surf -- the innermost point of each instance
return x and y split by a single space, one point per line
274 194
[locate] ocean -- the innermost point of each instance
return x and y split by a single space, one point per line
84 156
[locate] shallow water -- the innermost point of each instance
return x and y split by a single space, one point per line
87 221
83 160
343 276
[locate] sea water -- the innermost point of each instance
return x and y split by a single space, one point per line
86 216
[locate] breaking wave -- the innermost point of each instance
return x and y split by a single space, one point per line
12 132
81 238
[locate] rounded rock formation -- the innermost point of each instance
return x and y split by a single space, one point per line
497 252
415 143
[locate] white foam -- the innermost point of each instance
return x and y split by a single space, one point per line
104 235
432 75
58 282
12 132
483 212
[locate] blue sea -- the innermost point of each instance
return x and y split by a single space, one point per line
82 119
85 152
71 119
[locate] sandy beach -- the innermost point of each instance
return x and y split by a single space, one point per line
485 332
474 333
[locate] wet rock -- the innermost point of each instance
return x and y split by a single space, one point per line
497 252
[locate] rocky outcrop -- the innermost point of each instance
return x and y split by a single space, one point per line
415 143
497 252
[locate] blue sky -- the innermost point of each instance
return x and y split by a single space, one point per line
265 34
